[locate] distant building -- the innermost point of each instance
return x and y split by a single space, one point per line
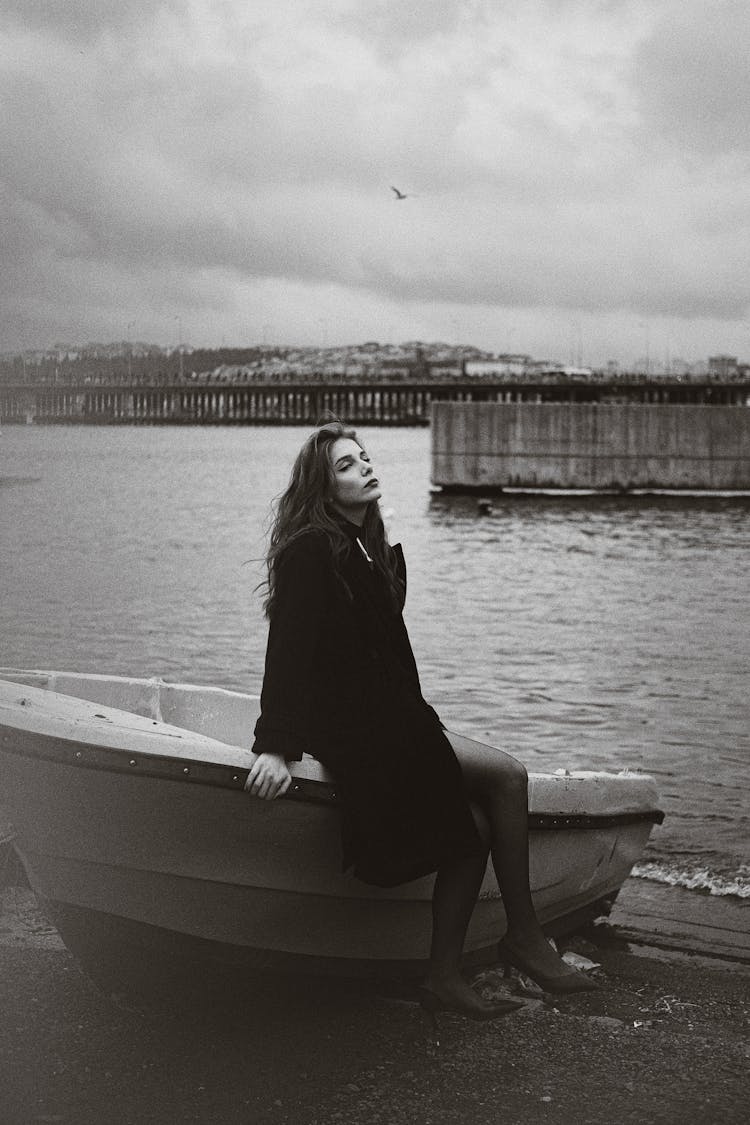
444 370
546 367
500 366
722 365
396 369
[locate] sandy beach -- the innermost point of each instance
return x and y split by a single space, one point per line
664 1040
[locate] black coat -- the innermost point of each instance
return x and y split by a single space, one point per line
341 684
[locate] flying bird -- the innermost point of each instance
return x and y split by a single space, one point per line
399 194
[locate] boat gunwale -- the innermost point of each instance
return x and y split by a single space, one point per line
78 755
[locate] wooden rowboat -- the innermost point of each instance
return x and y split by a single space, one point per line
128 811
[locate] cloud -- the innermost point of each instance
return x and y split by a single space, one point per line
394 29
693 77
80 19
199 155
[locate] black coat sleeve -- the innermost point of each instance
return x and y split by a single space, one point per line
287 697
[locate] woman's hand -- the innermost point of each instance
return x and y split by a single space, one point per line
269 777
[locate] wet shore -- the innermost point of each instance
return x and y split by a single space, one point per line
664 1040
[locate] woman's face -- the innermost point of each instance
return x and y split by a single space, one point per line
354 482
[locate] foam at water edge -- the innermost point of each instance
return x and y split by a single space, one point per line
737 885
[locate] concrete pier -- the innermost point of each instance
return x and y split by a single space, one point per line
623 446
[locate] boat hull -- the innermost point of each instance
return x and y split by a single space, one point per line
140 832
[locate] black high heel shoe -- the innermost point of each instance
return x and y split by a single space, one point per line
566 983
432 1003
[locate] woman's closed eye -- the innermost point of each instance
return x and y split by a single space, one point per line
345 463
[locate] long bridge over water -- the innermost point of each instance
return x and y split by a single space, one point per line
300 403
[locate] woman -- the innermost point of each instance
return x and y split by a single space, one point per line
341 683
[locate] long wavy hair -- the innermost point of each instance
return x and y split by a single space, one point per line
306 505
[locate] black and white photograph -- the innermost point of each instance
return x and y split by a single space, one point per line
374 562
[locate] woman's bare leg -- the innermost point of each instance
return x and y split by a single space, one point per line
498 783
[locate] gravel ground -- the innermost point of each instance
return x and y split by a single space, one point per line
665 1040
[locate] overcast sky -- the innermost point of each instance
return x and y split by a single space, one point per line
577 173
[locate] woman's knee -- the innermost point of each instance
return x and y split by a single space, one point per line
516 774
506 782
487 765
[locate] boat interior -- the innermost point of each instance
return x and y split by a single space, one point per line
228 716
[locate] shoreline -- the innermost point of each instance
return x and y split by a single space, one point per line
664 1040
671 918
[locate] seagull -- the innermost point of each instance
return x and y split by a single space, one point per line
399 194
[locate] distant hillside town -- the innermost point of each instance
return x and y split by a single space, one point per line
126 364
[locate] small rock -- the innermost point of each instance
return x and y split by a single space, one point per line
607 1021
579 962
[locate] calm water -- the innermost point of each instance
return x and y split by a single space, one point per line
582 632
